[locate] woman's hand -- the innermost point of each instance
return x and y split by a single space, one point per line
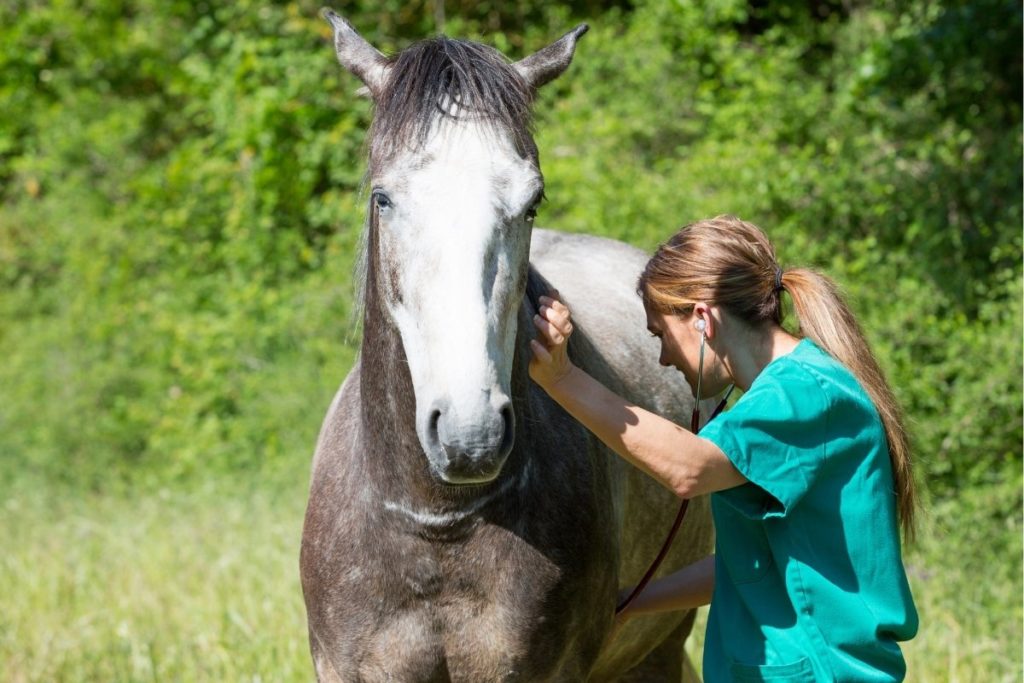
550 363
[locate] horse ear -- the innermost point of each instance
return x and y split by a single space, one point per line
547 64
355 54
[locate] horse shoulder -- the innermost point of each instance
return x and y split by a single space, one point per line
336 515
597 278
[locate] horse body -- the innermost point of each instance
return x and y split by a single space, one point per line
460 525
454 592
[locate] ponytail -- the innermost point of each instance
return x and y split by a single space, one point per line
732 263
827 320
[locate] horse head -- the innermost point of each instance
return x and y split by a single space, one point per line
455 184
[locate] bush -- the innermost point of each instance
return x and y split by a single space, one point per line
181 187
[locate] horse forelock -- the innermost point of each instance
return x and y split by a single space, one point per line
444 78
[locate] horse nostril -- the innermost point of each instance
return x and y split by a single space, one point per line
509 433
432 423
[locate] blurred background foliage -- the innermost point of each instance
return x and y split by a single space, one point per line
181 196
181 200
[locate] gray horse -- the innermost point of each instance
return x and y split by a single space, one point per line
460 525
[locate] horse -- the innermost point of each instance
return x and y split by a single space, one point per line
460 525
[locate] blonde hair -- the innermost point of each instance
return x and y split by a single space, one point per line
730 263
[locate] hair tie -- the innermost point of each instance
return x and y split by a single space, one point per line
778 278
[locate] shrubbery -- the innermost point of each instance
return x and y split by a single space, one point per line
181 203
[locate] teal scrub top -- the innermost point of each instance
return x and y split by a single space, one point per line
809 581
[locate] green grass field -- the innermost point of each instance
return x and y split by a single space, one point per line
173 587
203 586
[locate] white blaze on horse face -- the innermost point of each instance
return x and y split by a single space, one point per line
454 250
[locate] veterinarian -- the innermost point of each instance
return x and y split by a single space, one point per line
809 471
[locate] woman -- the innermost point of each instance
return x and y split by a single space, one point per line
809 471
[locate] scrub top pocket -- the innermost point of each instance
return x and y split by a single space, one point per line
799 671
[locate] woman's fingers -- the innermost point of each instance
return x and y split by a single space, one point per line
550 362
553 335
563 321
553 320
558 315
548 300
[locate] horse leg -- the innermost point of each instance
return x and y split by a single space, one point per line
667 663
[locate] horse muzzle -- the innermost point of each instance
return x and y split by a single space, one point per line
471 450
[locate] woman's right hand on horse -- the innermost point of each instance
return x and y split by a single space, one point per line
550 363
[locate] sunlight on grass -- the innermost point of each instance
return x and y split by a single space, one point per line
966 579
203 586
175 587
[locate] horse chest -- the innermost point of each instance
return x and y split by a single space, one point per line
424 643
466 611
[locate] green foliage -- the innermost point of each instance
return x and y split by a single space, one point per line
181 202
878 172
181 188
169 242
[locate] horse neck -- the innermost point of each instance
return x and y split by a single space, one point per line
392 453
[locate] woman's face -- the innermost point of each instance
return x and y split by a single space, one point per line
680 342
680 347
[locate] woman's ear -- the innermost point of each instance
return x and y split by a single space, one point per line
703 320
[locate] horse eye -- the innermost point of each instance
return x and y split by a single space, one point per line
531 213
381 200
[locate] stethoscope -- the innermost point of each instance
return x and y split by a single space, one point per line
701 326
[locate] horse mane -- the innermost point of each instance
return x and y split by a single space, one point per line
448 78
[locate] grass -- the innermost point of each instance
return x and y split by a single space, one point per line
202 585
965 573
177 586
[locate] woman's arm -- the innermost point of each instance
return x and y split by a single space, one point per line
687 588
685 463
